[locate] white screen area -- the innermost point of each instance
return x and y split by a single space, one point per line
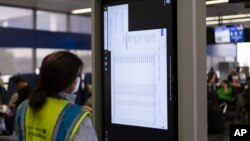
138 71
243 54
222 35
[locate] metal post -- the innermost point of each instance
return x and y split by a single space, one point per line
34 55
96 67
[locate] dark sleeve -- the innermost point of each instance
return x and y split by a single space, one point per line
229 78
23 94
81 97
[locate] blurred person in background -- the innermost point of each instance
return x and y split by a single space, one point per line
224 92
22 93
244 74
2 90
84 95
236 86
232 73
23 90
212 80
243 100
212 76
2 96
1 80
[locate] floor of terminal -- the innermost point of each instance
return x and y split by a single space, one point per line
220 137
211 137
225 135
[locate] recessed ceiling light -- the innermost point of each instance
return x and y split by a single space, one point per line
216 2
236 20
228 17
229 21
213 22
212 18
235 16
81 11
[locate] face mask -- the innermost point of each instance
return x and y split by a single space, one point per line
78 80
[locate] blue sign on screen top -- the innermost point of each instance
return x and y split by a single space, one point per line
236 34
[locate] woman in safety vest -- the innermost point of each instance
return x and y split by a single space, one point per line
49 114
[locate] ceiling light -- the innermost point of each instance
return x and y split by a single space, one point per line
81 11
236 20
235 16
228 21
212 18
216 2
228 17
212 22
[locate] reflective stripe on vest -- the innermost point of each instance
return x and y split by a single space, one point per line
58 120
20 118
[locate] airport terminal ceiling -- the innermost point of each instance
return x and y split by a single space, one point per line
229 9
53 5
226 9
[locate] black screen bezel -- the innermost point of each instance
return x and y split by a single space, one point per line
111 132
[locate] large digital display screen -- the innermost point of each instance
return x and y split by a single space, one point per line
138 76
229 34
139 69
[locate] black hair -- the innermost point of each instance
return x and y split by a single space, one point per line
58 71
225 81
17 79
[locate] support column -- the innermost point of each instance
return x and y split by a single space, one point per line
192 70
97 66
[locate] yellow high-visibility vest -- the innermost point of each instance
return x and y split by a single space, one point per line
58 120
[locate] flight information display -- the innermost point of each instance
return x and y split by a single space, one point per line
229 34
139 70
138 76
